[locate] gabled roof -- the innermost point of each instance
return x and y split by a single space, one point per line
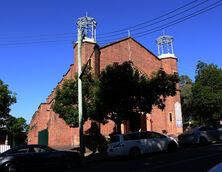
127 38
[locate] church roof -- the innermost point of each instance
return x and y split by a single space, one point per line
125 39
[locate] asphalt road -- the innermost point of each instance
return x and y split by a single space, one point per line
193 159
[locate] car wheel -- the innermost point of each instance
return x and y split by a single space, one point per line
203 141
10 167
172 146
135 152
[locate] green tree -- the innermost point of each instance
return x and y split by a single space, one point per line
125 93
207 93
120 93
7 98
66 99
17 129
186 97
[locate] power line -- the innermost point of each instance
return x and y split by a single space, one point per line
171 23
34 42
171 16
174 22
129 28
47 38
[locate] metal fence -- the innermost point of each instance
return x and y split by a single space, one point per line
4 148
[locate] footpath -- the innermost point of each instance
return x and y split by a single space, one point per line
90 156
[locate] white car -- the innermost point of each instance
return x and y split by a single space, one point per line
136 143
200 135
216 168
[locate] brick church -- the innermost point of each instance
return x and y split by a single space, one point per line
47 128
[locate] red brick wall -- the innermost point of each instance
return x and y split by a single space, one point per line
147 63
60 134
38 123
158 120
170 66
129 50
88 51
107 128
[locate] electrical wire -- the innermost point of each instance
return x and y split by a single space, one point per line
56 36
34 43
129 28
194 14
47 38
171 23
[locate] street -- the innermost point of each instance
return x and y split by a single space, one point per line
195 158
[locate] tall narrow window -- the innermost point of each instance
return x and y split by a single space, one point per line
90 63
170 116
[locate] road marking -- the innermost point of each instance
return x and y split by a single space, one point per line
178 162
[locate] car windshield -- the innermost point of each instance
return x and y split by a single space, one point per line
114 139
25 149
42 149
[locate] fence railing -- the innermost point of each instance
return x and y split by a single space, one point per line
4 148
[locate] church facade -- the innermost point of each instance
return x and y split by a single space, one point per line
46 126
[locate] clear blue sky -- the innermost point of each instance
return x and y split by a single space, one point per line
36 39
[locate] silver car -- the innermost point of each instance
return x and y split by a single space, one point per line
136 143
201 135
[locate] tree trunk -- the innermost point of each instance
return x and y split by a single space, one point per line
118 127
200 120
13 141
218 120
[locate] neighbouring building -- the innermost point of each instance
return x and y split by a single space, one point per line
47 128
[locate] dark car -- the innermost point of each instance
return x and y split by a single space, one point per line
35 157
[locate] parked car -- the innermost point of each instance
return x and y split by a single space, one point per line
136 143
216 168
200 135
35 157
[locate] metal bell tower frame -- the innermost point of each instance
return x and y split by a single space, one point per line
165 46
87 25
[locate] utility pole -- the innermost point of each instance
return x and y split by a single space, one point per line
81 141
86 30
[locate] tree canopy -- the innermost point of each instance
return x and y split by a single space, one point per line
121 92
14 127
186 97
201 100
207 93
66 99
17 129
125 92
7 98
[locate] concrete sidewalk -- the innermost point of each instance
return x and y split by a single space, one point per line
90 156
